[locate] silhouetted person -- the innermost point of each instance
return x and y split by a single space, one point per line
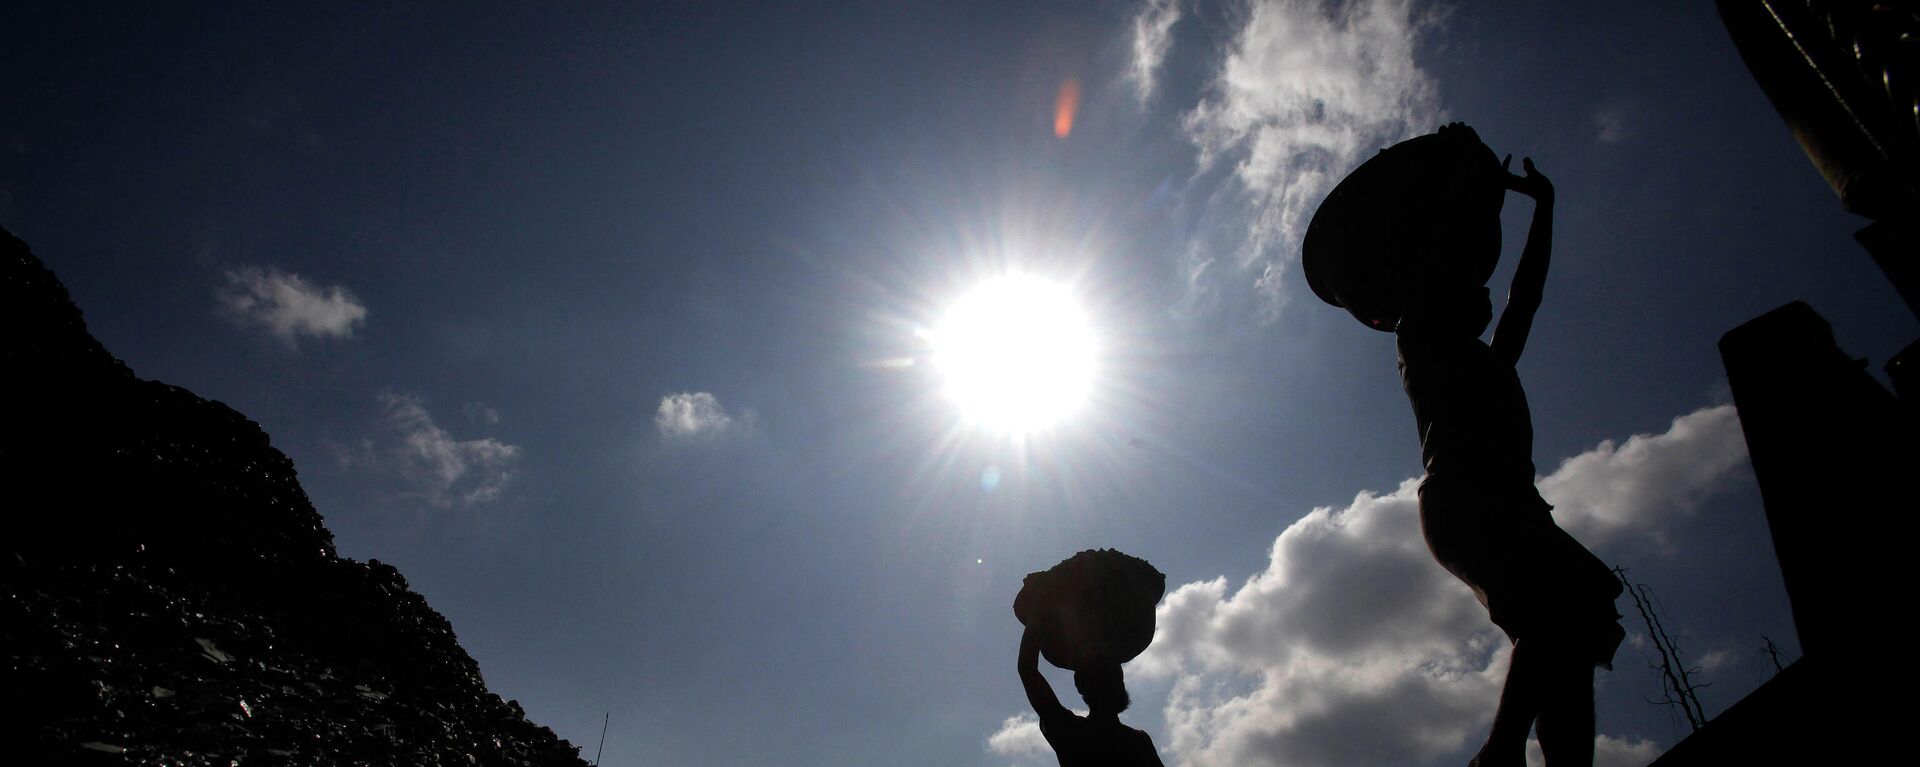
1479 511
1097 739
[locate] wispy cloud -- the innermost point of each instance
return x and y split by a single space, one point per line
1354 647
697 416
1152 37
1617 121
1304 92
433 465
481 413
289 306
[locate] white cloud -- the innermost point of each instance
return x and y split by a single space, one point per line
1621 752
1019 736
1307 90
1354 647
289 306
1608 751
1649 483
689 416
445 471
1152 36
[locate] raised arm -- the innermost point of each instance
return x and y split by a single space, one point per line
1530 276
1039 693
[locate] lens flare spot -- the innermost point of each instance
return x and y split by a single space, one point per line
1065 106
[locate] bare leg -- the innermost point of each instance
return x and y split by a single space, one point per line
1506 745
1565 724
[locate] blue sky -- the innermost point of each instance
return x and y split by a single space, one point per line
607 326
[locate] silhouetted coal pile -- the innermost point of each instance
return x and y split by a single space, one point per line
168 594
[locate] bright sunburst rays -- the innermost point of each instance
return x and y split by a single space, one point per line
1016 354
1011 340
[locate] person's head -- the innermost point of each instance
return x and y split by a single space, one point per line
1104 689
1465 311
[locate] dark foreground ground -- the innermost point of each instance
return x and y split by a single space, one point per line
168 595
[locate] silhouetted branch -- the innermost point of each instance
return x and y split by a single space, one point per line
1677 683
604 721
1773 653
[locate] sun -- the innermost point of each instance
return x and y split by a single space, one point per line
1016 354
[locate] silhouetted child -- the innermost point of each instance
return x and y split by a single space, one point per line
1482 517
1097 739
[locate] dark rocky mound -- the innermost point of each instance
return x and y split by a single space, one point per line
168 595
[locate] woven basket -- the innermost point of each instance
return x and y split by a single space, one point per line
1095 608
1420 215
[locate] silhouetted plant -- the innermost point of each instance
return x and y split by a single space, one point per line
1773 653
604 721
1677 685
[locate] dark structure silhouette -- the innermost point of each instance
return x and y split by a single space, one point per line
1090 614
168 595
1827 441
1842 76
1481 516
1830 445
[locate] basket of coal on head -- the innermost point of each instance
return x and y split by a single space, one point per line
1422 214
1093 609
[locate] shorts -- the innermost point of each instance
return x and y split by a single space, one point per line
1533 578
